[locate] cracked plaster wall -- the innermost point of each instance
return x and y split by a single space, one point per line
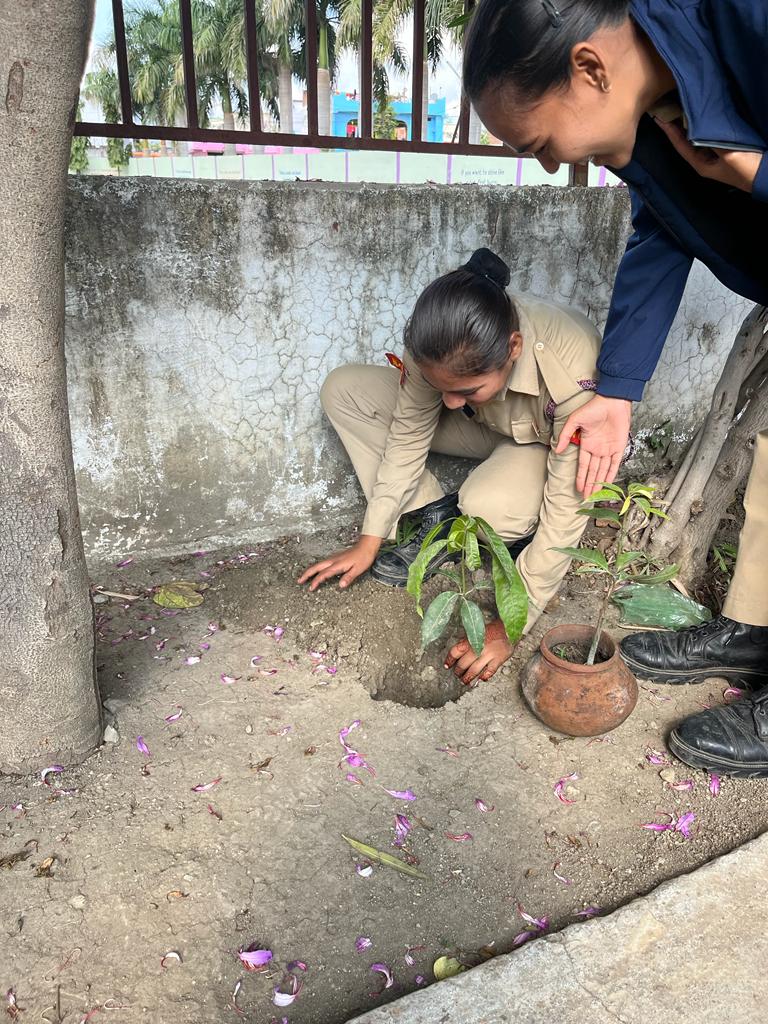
202 318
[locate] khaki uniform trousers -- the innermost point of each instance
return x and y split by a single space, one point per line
360 402
747 599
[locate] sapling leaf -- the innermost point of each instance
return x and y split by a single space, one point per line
625 558
644 489
474 625
437 617
609 514
616 492
589 555
605 495
472 552
499 552
419 567
658 577
511 601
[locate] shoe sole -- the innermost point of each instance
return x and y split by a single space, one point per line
388 580
675 677
721 765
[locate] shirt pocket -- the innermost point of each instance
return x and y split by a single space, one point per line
528 431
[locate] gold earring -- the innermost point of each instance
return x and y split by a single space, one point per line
605 86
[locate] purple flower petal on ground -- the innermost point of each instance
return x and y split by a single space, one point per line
204 646
561 878
286 998
401 794
125 561
51 769
268 672
204 787
522 937
278 632
355 760
364 870
448 751
252 959
559 787
714 784
683 786
459 839
142 747
228 680
384 969
214 627
481 805
362 942
540 923
351 777
343 733
175 716
295 965
420 979
589 912
654 826
732 693
656 757
408 957
193 659
402 828
683 824
331 670
256 659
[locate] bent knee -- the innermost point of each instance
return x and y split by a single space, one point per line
337 383
498 511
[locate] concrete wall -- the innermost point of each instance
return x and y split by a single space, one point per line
202 318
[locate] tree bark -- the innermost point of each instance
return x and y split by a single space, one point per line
425 102
323 101
48 691
285 96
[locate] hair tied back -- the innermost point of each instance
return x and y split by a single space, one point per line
555 17
487 264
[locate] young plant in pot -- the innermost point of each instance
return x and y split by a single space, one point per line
577 682
464 546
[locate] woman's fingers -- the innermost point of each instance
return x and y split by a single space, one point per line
312 570
456 652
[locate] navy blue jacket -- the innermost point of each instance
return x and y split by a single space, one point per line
717 51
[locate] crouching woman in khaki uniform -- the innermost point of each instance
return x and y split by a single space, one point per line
489 375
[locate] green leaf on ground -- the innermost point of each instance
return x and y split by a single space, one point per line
447 967
180 594
384 858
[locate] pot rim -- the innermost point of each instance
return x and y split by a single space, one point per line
575 631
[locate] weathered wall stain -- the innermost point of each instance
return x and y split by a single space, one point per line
202 318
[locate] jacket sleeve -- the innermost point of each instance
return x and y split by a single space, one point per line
413 426
646 295
560 526
760 184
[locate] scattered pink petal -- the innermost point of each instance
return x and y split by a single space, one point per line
481 805
420 979
401 794
351 777
561 878
278 632
296 964
256 659
654 826
175 716
213 627
267 671
362 943
683 786
193 659
732 693
160 645
714 784
253 959
522 937
286 998
51 769
228 680
212 810
331 670
448 751
355 760
170 957
589 912
204 787
365 870
343 733
142 747
559 787
204 646
683 824
459 839
318 655
539 923
657 757
402 828
408 954
125 561
384 969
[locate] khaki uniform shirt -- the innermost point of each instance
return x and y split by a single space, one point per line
559 355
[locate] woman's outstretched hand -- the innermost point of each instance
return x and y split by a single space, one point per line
604 425
349 564
731 167
496 650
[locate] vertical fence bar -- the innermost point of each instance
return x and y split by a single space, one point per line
578 174
311 34
188 56
366 70
419 17
252 66
121 53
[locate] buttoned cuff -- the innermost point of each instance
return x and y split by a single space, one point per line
620 387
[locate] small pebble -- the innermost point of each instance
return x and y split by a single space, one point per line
111 735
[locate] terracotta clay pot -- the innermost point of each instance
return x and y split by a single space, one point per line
578 700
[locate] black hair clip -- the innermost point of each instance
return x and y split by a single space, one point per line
555 17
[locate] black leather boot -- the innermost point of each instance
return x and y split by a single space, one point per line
721 647
392 565
729 740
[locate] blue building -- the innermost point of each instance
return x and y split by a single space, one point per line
345 111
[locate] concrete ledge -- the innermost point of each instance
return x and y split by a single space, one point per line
694 950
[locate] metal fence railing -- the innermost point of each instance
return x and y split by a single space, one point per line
255 133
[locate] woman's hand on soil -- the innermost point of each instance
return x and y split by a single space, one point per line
349 564
604 425
729 166
468 666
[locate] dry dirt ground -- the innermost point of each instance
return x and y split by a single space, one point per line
121 862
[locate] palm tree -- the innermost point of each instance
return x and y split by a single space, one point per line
284 34
291 13
388 18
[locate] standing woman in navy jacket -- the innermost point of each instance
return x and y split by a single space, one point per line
672 96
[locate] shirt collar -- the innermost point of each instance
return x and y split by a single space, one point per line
524 375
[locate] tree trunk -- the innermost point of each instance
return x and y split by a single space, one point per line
323 101
285 96
475 127
48 692
229 123
425 102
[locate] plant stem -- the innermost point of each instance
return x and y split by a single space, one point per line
608 594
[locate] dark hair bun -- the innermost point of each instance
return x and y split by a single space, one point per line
488 264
